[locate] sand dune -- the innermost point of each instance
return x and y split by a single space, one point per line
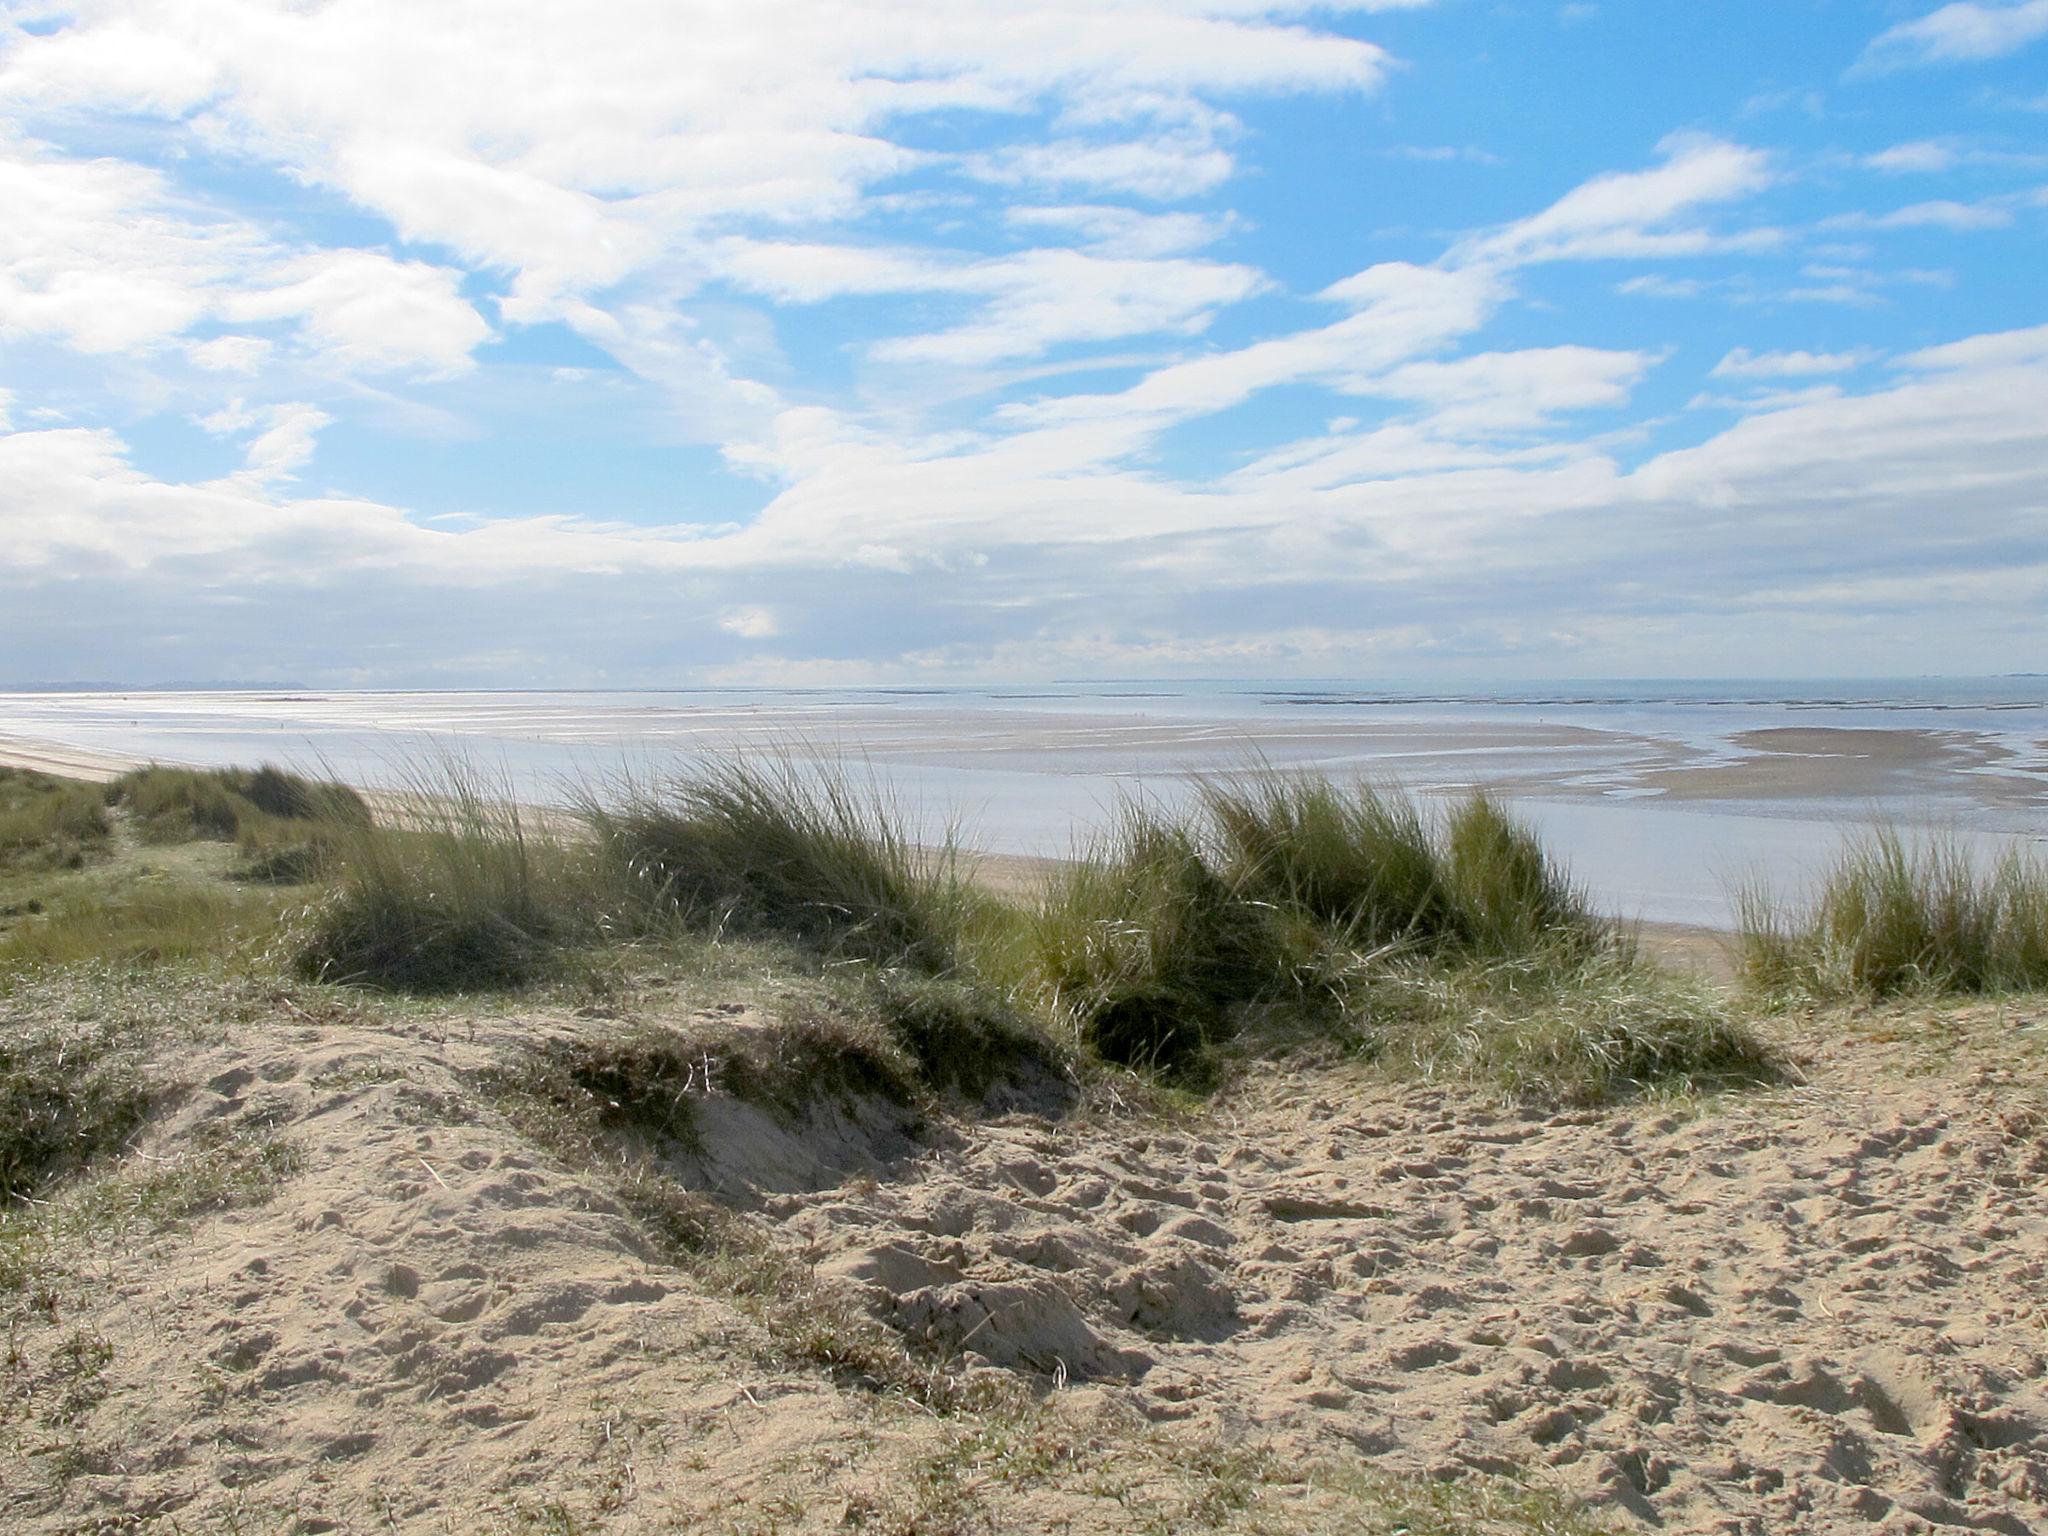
1812 1310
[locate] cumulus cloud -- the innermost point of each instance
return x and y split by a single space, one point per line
1838 481
106 256
695 210
231 354
367 311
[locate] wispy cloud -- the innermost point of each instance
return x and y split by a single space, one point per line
1964 32
1745 364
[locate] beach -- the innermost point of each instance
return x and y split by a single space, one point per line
419 1162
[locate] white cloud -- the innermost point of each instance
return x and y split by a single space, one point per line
1655 285
1441 154
6 400
1921 156
1765 399
1637 213
1164 169
1965 32
1940 213
1126 232
231 354
1555 536
1034 299
367 311
284 443
1745 364
105 256
282 447
1997 350
1515 391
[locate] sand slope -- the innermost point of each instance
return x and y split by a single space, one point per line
1815 1310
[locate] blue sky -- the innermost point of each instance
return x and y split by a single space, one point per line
814 341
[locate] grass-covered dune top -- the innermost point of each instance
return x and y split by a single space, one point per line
49 823
1275 911
1280 909
1898 916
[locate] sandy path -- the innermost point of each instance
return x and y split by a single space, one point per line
1816 1310
1819 1311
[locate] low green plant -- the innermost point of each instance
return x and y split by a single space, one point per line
1897 916
775 845
1577 1021
1283 898
149 919
1360 858
49 823
70 1092
171 805
1511 898
464 890
1144 949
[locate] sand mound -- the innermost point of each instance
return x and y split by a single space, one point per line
1820 1310
1817 1310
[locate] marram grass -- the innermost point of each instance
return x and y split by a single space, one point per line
1274 910
1896 916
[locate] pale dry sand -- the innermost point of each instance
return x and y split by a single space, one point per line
1810 1310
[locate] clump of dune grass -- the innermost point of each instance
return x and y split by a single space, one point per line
177 804
1367 860
1511 897
1358 857
773 845
49 823
1278 898
70 1092
1574 1020
1897 916
463 890
1144 947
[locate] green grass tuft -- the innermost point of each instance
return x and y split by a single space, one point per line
1287 906
780 847
69 1093
171 805
1358 858
466 892
1896 917
1143 948
49 823
1576 1022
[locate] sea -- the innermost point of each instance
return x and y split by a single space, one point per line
1657 794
